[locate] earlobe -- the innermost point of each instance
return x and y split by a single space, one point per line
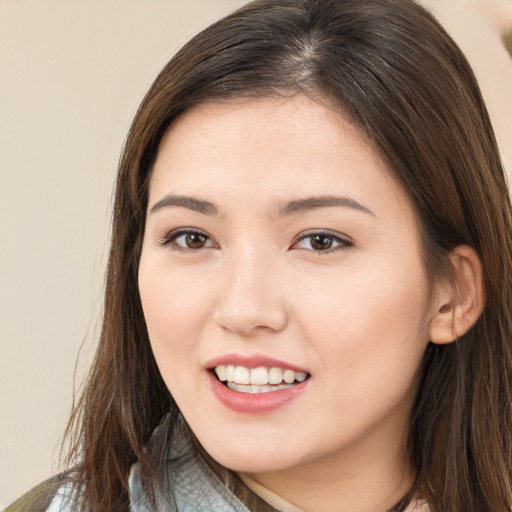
460 302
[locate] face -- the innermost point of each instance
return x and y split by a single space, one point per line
279 253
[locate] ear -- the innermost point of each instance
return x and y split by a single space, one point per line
458 303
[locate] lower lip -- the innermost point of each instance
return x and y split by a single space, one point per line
255 403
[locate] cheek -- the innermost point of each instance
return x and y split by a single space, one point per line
375 319
367 337
175 309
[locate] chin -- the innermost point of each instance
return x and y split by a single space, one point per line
247 460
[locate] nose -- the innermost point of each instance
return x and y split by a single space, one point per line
252 298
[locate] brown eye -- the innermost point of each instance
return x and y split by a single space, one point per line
186 239
195 240
321 242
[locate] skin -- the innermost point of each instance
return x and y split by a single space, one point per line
357 317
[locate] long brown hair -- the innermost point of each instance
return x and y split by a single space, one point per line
391 69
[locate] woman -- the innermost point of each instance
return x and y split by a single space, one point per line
309 288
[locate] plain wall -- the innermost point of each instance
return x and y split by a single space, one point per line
477 26
72 73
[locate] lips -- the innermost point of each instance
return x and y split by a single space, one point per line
255 384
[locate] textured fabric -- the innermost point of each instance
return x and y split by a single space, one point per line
50 496
191 490
191 485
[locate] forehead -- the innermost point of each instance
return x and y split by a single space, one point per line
269 149
268 122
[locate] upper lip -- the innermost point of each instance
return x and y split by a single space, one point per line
253 361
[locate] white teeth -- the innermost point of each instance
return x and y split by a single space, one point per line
230 372
221 373
300 376
256 389
288 376
275 376
242 375
259 376
256 380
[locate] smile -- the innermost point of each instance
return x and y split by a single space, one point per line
258 380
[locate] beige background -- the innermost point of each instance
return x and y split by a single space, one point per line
72 73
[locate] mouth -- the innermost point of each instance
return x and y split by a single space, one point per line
258 380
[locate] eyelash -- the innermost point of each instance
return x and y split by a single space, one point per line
170 240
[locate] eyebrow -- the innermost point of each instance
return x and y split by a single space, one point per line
312 203
197 205
289 208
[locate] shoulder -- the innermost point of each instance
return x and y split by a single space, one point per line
53 495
